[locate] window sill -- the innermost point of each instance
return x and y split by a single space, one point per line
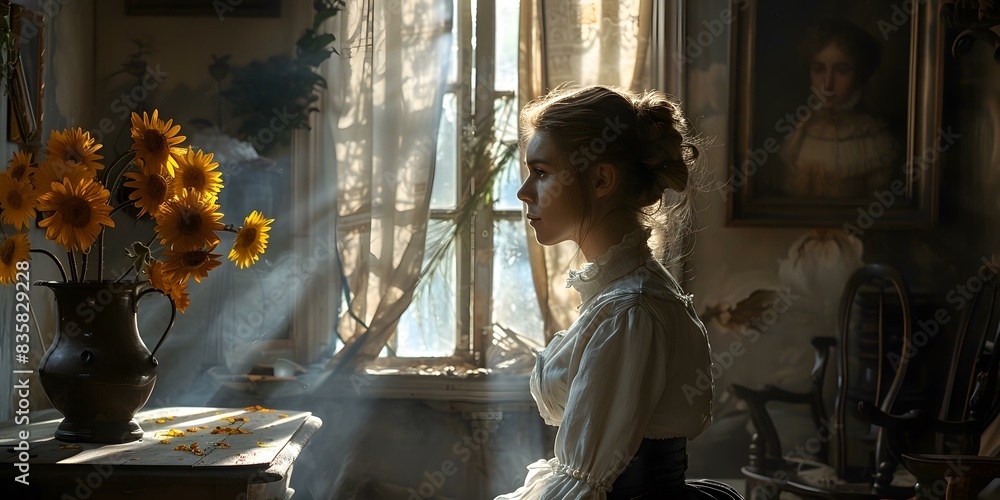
386 383
491 388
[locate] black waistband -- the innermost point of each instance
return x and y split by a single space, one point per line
657 467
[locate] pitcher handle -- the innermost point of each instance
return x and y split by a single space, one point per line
173 314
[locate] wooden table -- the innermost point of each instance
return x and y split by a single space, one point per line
255 463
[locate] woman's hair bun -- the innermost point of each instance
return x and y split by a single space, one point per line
666 155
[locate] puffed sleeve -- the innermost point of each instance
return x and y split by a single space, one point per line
621 377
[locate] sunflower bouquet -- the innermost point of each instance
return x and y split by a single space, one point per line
70 195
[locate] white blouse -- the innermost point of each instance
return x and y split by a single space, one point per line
636 364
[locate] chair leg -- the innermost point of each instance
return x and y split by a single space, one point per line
758 460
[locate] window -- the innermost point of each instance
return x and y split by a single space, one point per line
483 276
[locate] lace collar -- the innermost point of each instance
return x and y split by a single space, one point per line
847 106
621 259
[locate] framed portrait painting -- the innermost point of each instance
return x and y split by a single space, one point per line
27 80
836 114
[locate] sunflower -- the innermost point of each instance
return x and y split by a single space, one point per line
251 241
181 266
19 165
188 222
154 272
149 191
76 147
79 210
160 281
13 250
56 170
17 201
155 141
195 170
178 294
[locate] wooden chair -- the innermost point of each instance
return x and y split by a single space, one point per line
874 312
965 436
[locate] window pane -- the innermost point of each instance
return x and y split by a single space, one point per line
453 67
429 326
505 109
506 45
509 180
443 194
507 184
515 304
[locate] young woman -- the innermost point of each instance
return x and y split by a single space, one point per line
630 381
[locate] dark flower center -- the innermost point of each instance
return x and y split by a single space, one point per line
14 199
75 212
157 189
73 155
7 252
247 237
193 178
155 143
194 259
189 221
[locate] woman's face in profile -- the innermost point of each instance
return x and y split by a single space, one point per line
551 193
831 72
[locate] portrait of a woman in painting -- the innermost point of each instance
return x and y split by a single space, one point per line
841 150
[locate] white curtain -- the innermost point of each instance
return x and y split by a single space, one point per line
379 131
587 42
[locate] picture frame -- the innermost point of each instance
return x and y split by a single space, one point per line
824 134
27 83
204 8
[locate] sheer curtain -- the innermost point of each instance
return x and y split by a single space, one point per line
586 42
379 131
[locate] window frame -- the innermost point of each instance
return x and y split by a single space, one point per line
474 247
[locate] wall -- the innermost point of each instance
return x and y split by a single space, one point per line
730 262
179 84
